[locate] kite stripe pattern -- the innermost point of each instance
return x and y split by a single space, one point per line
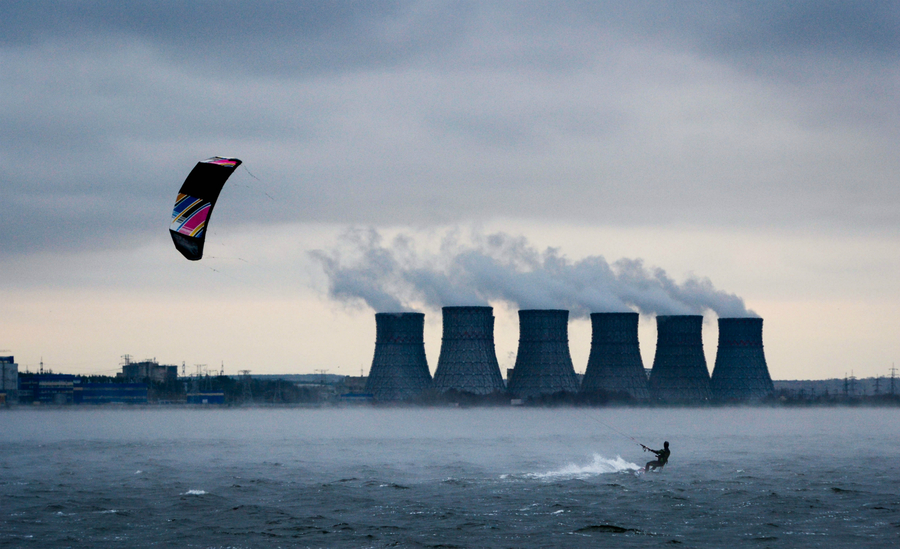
189 216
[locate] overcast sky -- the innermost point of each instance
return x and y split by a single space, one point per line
753 144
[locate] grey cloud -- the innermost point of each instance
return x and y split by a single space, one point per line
280 36
417 113
743 27
236 36
832 26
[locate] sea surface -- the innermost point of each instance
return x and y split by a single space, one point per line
449 477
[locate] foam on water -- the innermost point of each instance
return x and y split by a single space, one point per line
194 493
599 466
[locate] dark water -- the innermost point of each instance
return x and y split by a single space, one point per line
448 478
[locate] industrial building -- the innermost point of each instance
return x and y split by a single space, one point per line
679 373
468 360
46 388
84 392
399 368
543 367
543 363
148 371
61 389
205 397
740 372
615 366
9 380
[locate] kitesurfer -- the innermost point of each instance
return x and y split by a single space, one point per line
662 457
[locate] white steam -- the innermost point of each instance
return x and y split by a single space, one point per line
500 267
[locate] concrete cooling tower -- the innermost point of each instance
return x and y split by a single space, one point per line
468 361
399 370
615 364
740 372
543 364
679 372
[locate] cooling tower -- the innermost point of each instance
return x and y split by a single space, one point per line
679 368
468 362
399 370
740 372
615 364
543 364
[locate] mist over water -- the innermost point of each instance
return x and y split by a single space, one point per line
509 477
400 276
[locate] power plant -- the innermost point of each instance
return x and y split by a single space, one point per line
468 361
740 371
615 364
543 364
468 366
399 368
679 372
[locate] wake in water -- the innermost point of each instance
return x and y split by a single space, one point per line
599 466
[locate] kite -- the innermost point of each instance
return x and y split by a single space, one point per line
195 201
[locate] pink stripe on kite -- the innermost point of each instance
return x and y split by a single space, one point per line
222 162
195 221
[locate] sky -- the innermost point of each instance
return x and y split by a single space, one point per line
745 148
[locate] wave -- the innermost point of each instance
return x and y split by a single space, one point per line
194 493
599 466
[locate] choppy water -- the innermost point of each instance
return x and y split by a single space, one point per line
505 477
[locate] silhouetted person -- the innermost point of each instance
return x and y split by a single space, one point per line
662 457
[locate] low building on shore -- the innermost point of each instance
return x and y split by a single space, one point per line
148 371
9 380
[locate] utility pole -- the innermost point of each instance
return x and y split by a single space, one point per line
893 375
322 373
277 396
247 393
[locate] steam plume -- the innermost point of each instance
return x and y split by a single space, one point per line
499 267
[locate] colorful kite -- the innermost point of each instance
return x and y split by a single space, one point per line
195 202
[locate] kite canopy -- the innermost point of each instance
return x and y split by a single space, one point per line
195 201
